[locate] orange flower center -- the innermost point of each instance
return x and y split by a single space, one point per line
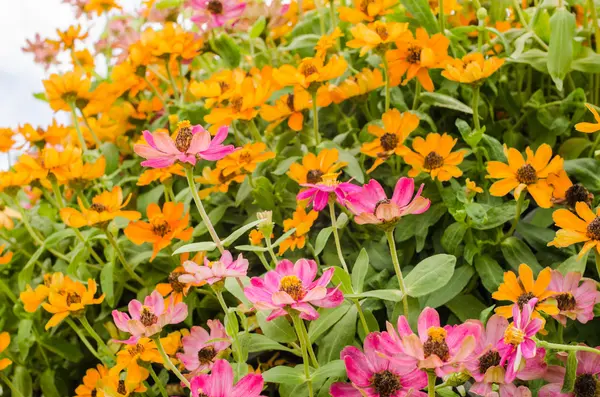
388 141
433 161
292 286
137 349
161 229
73 298
206 355
184 136
308 69
414 54
215 7
436 343
245 157
524 298
176 285
98 207
224 86
593 229
236 103
382 32
314 176
566 302
527 175
488 360
386 383
147 318
513 336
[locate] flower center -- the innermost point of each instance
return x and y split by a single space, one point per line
147 318
384 201
488 360
382 32
206 355
513 336
524 298
527 175
577 193
176 285
308 69
414 54
237 103
184 136
436 343
121 389
98 207
292 286
137 349
245 157
433 161
224 86
593 229
94 393
215 7
73 298
329 179
161 229
290 102
566 301
386 383
586 385
314 176
389 141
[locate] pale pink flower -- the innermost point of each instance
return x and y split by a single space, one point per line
220 383
372 374
293 287
575 296
191 143
444 349
588 371
212 272
517 343
44 52
215 13
370 205
318 194
148 319
201 349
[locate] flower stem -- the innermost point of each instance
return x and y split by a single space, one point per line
167 361
8 291
336 236
309 347
417 94
254 130
431 378
228 314
157 381
270 250
386 70
122 259
594 146
299 331
264 261
392 244
10 385
565 348
77 128
83 338
189 172
90 330
441 17
597 257
361 315
172 81
517 215
315 119
475 106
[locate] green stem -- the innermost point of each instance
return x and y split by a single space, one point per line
298 326
336 236
264 261
475 106
77 128
157 381
523 21
361 315
311 352
228 314
441 17
83 338
392 244
334 23
8 291
386 70
565 348
121 256
592 7
172 81
315 112
167 361
270 250
321 18
189 172
254 130
417 94
520 201
597 257
155 90
431 378
90 330
10 385
594 145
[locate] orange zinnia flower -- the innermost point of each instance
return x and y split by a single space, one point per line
66 89
519 174
92 382
70 36
302 222
434 156
581 228
100 6
311 71
4 259
219 181
327 42
522 289
314 167
416 56
163 226
4 342
361 83
6 139
390 139
175 288
245 159
472 68
366 10
160 174
589 128
375 35
290 107
567 192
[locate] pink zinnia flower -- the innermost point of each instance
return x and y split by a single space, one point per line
517 342
190 144
372 374
588 369
371 205
215 13
149 319
220 383
445 349
576 299
293 287
212 272
44 52
200 348
319 193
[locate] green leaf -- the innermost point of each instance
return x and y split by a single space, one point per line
164 4
337 338
445 101
260 343
111 153
196 247
239 232
495 215
466 307
453 236
251 248
333 369
302 41
586 171
283 374
430 275
47 384
489 271
342 278
573 147
284 165
59 236
359 270
25 338
573 264
493 147
392 295
26 273
41 96
471 136
22 381
227 49
515 252
258 27
278 329
590 63
67 350
352 168
282 238
457 283
232 285
570 373
322 238
327 319
421 11
560 53
107 282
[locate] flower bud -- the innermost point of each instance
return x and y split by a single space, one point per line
481 14
266 226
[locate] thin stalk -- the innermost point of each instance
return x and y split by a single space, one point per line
77 128
167 361
10 385
565 348
523 21
172 81
597 257
90 330
270 250
361 315
83 338
228 314
155 90
431 378
334 23
254 130
417 94
594 145
311 352
8 291
520 201
441 17
157 381
303 347
264 261
386 71
336 236
315 119
321 18
121 256
475 107
392 244
189 172
92 133
592 7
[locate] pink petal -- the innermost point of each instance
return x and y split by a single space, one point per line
403 192
429 318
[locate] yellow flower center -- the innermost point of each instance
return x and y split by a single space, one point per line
245 157
237 103
98 207
527 175
329 179
307 69
292 286
513 336
73 298
436 343
382 31
433 161
184 136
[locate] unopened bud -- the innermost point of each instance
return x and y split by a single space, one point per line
481 14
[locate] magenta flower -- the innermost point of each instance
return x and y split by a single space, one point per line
190 144
372 374
517 342
575 299
201 349
588 369
215 13
370 204
318 194
149 319
444 349
293 287
220 383
212 272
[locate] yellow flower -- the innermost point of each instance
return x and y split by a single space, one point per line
80 174
472 68
451 7
68 88
69 36
101 6
7 215
6 139
434 155
311 71
115 385
589 128
129 356
390 139
4 342
361 83
219 181
288 106
366 10
245 159
302 222
160 174
83 59
519 174
55 134
327 42
471 187
581 228
32 299
172 42
4 259
314 167
92 381
375 35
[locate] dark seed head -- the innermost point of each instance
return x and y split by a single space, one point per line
436 344
290 102
433 161
176 285
137 349
161 229
308 69
206 355
389 141
184 137
527 175
414 54
386 383
593 229
73 298
147 318
121 389
577 193
524 299
488 360
215 7
98 207
566 301
586 385
314 176
382 32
